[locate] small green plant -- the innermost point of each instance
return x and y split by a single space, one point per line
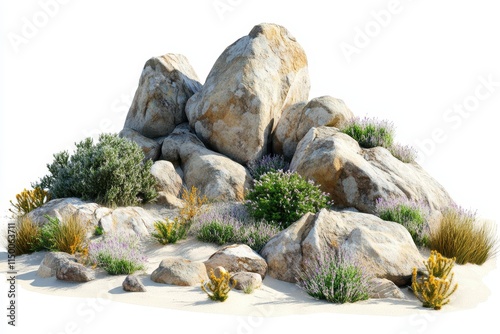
218 287
216 232
68 236
169 232
28 200
284 197
433 289
462 236
111 172
411 214
27 236
98 231
248 289
117 253
336 278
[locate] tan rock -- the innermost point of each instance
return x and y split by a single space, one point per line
236 258
150 147
179 271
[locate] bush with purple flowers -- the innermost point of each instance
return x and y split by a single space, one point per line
266 164
117 253
282 198
371 132
411 214
336 278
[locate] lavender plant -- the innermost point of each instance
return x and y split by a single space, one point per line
335 277
268 163
118 253
405 153
413 215
282 198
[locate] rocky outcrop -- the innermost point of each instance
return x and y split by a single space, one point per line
236 258
179 271
299 118
52 262
385 249
251 83
132 284
357 177
151 148
215 175
166 84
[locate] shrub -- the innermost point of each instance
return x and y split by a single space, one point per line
223 223
284 197
371 132
28 200
336 278
433 289
216 232
68 236
117 254
169 232
411 214
110 172
193 203
27 236
266 164
460 235
218 287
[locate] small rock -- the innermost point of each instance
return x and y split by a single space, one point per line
245 280
383 288
52 262
237 258
74 272
132 284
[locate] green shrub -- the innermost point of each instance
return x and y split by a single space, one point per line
411 214
284 197
68 236
111 172
462 236
216 232
336 278
28 200
169 232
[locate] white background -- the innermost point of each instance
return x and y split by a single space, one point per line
74 75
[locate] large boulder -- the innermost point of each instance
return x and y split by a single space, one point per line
236 258
179 271
357 177
299 118
215 175
166 84
168 183
385 249
151 148
65 207
250 84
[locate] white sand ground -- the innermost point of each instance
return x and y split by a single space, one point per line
275 298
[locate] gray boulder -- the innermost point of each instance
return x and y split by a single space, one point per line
179 271
74 272
52 262
132 284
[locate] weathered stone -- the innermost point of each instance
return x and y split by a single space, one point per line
64 207
357 177
132 284
215 176
385 249
299 118
131 219
167 178
237 258
52 262
150 147
179 271
250 84
74 272
245 280
383 288
166 84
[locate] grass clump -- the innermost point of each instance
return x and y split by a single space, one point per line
117 253
282 198
219 285
372 132
217 232
266 164
336 278
462 236
110 172
69 236
169 232
28 200
435 288
411 214
27 236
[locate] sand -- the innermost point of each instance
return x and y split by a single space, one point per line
275 300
